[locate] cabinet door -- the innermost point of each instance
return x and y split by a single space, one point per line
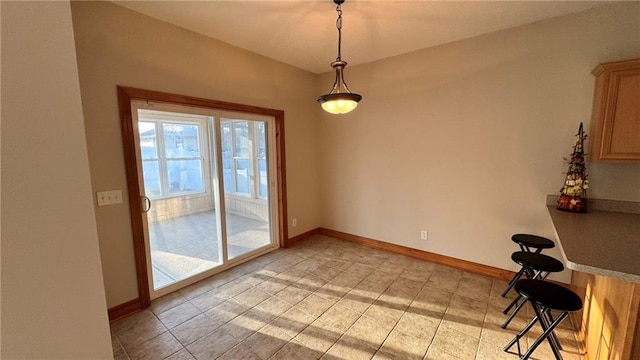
616 113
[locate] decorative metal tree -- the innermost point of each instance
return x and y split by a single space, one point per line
573 195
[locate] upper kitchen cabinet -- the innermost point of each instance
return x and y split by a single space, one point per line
615 123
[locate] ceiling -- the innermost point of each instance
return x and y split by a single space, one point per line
303 33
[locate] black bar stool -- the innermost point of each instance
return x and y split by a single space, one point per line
534 266
528 242
545 296
531 262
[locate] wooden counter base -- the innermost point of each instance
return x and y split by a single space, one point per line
608 324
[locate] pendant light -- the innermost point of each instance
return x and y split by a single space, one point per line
340 100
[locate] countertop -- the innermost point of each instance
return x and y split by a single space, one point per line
600 242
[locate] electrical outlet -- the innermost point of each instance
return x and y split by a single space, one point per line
424 235
294 222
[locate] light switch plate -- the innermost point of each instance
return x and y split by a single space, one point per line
109 197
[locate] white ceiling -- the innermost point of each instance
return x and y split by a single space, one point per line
303 33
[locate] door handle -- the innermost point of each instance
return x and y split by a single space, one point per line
146 204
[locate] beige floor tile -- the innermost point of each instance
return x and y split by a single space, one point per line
194 290
474 287
251 297
293 350
383 313
395 298
466 308
369 331
350 348
193 329
454 342
372 288
357 300
239 352
348 280
293 294
382 278
447 282
208 300
333 292
381 356
327 272
318 336
415 275
118 350
470 327
212 345
431 302
182 354
311 282
166 302
343 265
273 306
137 329
340 317
314 305
246 324
234 288
273 285
179 314
225 312
437 353
419 326
251 278
402 346
293 321
157 348
494 334
407 286
267 341
492 351
424 267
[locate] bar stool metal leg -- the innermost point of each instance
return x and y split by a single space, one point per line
545 335
513 281
544 298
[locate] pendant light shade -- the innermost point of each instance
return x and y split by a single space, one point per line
340 100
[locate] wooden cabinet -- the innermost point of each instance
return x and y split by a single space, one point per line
608 324
615 124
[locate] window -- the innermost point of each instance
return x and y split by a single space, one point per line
244 154
172 157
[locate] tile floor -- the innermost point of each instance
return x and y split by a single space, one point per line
188 245
332 299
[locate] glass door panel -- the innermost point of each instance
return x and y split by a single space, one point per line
178 174
246 185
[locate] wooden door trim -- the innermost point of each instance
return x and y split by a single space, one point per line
125 96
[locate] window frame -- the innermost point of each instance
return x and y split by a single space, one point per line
166 117
253 158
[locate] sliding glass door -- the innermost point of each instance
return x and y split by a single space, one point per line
207 190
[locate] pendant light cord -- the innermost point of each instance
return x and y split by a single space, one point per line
339 26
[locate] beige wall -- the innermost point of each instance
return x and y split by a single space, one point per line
466 139
463 140
53 301
117 46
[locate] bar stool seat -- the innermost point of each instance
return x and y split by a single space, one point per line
534 265
545 296
549 295
528 242
539 262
